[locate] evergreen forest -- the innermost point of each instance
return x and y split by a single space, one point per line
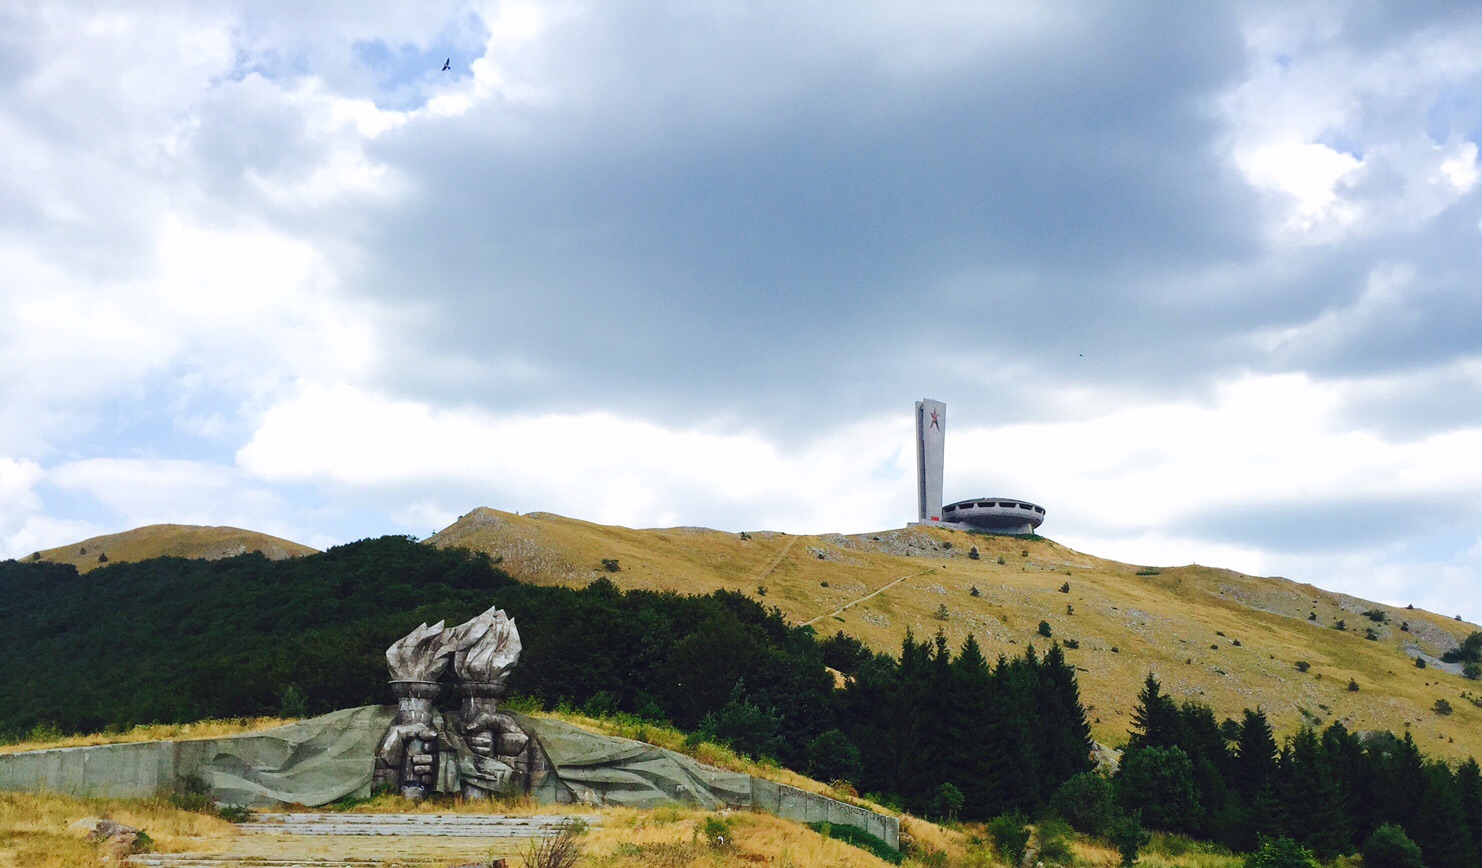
1332 792
940 731
173 640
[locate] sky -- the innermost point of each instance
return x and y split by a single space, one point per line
1201 279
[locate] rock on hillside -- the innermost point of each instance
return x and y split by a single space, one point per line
170 540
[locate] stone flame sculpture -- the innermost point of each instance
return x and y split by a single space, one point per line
484 752
407 757
497 757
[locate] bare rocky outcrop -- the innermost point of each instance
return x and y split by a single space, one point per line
115 841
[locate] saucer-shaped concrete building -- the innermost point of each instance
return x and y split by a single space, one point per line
992 514
996 514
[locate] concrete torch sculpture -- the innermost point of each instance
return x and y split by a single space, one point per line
484 752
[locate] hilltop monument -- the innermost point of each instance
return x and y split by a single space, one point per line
931 447
996 514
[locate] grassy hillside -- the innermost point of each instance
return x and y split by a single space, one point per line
1126 618
170 540
1167 619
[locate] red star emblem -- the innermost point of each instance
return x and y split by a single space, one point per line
934 420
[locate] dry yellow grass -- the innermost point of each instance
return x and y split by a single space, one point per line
153 732
1165 622
33 829
676 837
170 540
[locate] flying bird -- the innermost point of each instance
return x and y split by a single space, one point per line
447 64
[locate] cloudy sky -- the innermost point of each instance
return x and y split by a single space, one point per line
1203 281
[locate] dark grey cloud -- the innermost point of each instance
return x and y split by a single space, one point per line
640 249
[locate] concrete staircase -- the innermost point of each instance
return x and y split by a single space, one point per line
330 840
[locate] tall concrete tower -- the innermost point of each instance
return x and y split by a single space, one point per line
931 442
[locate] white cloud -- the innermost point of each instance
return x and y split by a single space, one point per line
173 491
1341 133
597 466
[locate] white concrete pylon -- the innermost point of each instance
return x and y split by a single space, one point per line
931 443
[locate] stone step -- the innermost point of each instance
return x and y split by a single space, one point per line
421 825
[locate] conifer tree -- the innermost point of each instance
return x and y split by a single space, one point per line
975 758
1254 766
1469 790
1067 733
1155 718
1315 813
1397 780
1440 826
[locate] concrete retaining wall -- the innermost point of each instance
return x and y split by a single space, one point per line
319 760
791 803
114 771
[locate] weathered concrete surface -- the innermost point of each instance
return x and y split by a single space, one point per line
791 803
301 840
606 770
931 447
326 758
312 762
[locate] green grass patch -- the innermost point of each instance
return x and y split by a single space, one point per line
861 839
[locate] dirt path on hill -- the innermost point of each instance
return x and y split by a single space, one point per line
777 561
875 593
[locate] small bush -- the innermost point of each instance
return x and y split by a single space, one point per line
1085 801
1341 625
1404 626
946 801
1312 616
833 757
1352 686
103 558
1420 663
972 553
1370 634
1065 588
1069 609
761 590
1303 666
610 564
1001 561
1376 615
1280 853
975 592
1053 839
1072 644
1010 834
1044 629
1442 707
717 831
192 793
234 813
561 850
942 614
1126 834
1389 847
1472 671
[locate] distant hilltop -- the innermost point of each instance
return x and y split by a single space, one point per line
1221 637
170 540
